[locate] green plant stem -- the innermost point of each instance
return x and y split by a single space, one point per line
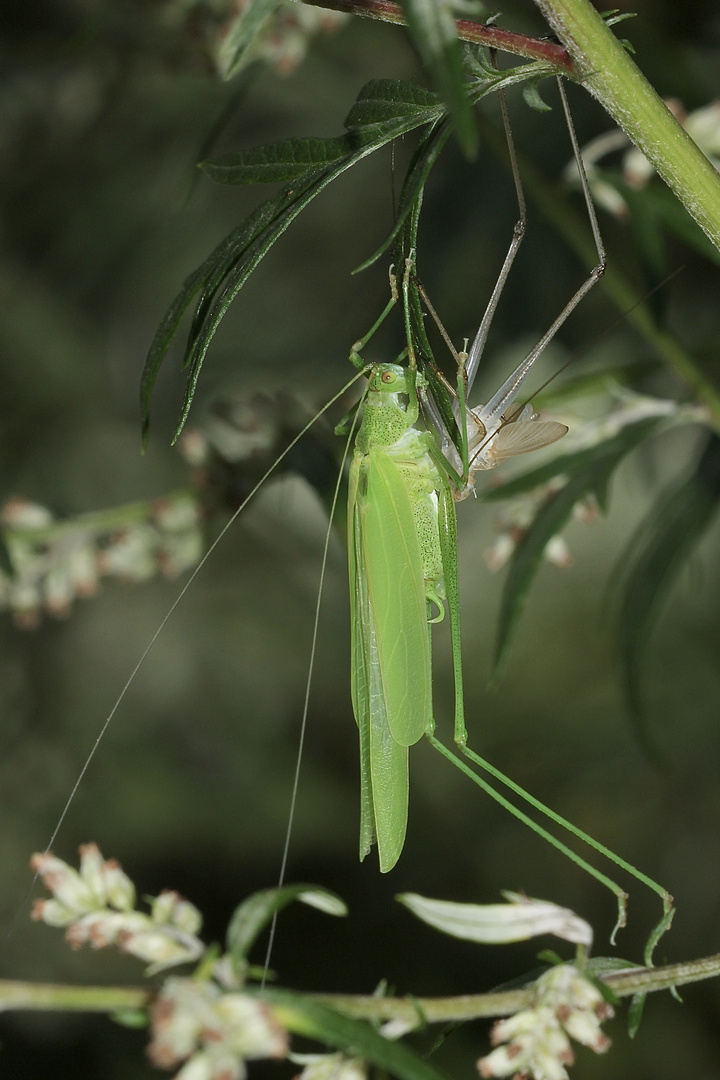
594 57
625 983
55 997
48 996
605 68
492 36
99 522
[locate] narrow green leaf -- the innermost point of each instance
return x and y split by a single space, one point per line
612 19
302 1016
422 162
163 337
280 161
433 29
381 100
588 472
574 463
131 1018
531 94
205 280
600 965
496 924
226 270
657 554
233 53
277 214
635 1014
229 252
552 517
657 201
6 564
252 916
647 227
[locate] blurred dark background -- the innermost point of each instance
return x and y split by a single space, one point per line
104 110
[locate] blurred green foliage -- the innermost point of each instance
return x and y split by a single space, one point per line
105 111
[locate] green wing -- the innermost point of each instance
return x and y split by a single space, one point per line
360 621
391 687
397 594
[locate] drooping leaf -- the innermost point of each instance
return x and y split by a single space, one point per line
588 472
7 566
635 1014
226 270
422 162
657 554
252 17
381 100
578 462
433 29
236 272
278 162
591 383
518 920
487 80
612 18
384 110
531 94
303 1016
252 916
205 280
655 200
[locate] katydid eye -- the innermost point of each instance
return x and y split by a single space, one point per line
388 376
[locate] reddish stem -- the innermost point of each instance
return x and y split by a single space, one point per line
493 36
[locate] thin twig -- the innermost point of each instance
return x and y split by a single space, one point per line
493 36
48 996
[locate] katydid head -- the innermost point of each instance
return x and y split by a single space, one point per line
388 378
393 379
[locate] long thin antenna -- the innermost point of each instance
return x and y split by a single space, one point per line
308 686
228 525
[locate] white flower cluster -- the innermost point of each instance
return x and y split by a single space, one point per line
519 516
54 562
535 1044
521 510
702 125
330 1067
97 905
195 1021
283 41
212 1032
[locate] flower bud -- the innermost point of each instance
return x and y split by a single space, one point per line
20 513
119 889
64 883
170 907
159 948
252 1030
